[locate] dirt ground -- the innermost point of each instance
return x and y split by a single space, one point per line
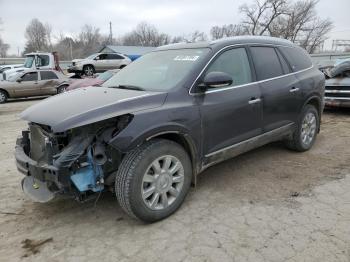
270 204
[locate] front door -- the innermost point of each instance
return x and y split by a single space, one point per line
28 85
233 114
101 63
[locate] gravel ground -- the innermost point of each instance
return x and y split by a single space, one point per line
270 204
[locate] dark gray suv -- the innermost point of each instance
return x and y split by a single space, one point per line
152 128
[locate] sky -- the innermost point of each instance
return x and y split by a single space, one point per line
175 17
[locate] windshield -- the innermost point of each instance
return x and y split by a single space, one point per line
158 71
105 76
29 61
91 56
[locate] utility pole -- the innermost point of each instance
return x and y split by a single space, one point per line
110 40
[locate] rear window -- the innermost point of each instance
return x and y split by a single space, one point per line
47 75
266 61
297 57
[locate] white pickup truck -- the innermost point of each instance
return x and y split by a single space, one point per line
37 60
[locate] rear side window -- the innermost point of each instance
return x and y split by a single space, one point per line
235 63
266 62
47 75
284 63
114 56
297 57
32 76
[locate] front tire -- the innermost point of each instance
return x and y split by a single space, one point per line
3 96
89 70
306 131
153 180
61 89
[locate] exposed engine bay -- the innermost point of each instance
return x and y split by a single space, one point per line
77 162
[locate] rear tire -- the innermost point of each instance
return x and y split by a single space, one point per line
306 131
153 180
89 70
3 96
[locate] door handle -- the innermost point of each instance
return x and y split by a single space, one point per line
294 89
254 100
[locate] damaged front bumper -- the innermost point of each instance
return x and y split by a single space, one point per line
74 171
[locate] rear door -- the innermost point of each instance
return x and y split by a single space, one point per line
114 61
48 82
278 85
231 114
28 85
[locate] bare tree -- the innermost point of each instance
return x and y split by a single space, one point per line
296 21
260 15
36 36
218 32
48 30
146 35
89 40
196 36
3 46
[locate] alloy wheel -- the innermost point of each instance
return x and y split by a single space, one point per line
162 182
308 128
2 97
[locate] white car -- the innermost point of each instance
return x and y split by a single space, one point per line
4 68
98 63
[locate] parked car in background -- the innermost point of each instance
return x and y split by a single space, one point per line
153 127
33 83
338 85
33 61
4 68
95 81
99 62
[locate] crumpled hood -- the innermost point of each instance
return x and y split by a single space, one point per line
89 105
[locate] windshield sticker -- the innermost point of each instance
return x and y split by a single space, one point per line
186 57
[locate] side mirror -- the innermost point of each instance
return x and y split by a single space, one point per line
217 80
97 58
19 80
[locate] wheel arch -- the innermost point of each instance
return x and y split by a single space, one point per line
176 134
315 101
186 142
89 65
6 92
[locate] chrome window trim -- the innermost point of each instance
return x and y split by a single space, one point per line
251 83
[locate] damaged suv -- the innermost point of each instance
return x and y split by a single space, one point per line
152 128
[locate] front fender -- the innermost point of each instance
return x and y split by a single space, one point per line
128 139
183 120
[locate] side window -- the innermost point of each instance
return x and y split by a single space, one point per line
114 57
298 58
235 63
284 63
103 56
42 60
47 75
266 62
31 76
